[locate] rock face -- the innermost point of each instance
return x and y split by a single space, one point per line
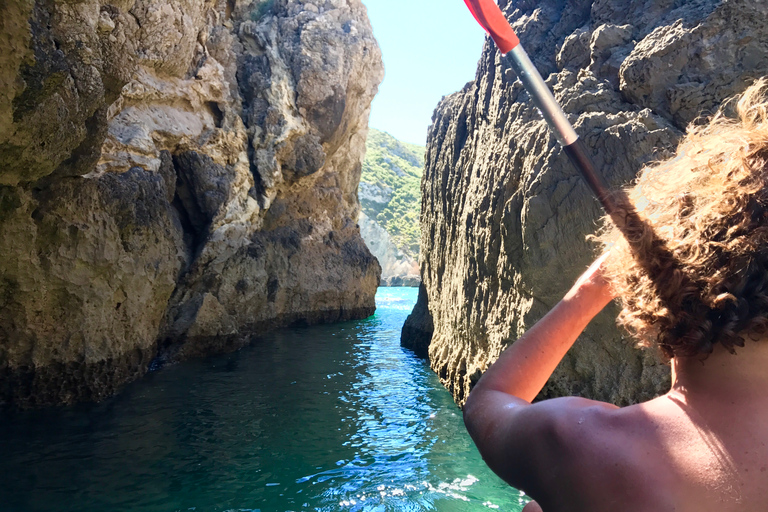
504 215
397 268
176 177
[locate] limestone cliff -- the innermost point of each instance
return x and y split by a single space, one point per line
175 177
504 215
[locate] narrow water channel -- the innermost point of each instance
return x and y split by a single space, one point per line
319 418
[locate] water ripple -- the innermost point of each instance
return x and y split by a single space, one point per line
324 418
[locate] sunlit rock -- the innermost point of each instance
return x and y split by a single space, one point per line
175 178
505 215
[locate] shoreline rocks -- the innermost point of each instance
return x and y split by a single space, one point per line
177 177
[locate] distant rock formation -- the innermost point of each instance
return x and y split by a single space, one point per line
397 269
505 215
390 199
175 177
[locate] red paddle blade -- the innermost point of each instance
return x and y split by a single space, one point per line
490 17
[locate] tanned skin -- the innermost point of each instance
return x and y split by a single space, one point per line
701 447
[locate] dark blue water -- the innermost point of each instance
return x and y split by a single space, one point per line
322 418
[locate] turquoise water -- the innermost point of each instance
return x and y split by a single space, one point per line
320 418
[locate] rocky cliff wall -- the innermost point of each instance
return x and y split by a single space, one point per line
175 177
504 215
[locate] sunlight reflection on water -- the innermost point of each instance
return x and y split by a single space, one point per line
318 418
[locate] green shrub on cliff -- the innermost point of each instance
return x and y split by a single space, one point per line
390 191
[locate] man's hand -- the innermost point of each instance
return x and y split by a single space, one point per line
591 288
524 368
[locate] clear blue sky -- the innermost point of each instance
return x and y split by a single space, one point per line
430 49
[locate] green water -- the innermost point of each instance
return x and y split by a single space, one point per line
320 418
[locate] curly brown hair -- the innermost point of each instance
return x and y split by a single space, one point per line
709 206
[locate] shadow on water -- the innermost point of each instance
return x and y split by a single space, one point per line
318 418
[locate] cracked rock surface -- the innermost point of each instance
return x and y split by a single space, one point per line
504 214
175 178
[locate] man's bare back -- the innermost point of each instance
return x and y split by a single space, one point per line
701 447
675 452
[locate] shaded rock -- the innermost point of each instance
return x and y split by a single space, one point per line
505 216
175 178
89 268
53 88
203 187
418 328
700 54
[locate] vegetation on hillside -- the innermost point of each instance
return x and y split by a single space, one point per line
394 168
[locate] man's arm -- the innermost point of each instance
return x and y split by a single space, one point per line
521 442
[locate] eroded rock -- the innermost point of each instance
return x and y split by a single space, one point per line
175 177
505 216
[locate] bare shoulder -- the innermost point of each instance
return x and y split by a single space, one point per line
596 454
588 432
518 440
570 444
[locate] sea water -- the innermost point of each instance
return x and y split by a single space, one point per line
325 418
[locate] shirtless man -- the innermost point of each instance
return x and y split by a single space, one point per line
703 446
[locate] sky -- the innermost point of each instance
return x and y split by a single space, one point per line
430 49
